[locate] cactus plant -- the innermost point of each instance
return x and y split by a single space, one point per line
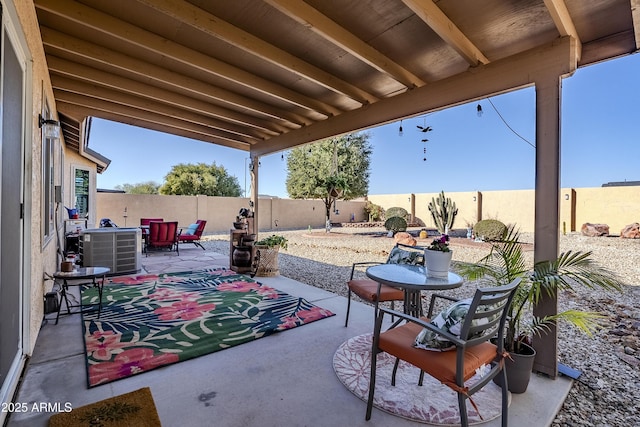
395 224
443 211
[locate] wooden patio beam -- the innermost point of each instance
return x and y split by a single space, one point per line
84 16
564 23
447 30
146 119
497 77
319 23
89 90
59 67
210 24
157 76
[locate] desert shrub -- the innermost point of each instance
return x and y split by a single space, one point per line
490 230
374 212
397 211
395 224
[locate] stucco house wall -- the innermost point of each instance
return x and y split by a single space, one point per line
40 257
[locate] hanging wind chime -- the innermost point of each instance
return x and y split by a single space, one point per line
424 129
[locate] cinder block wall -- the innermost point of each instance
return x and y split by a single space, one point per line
615 206
220 212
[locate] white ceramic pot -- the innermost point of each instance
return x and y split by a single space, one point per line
437 263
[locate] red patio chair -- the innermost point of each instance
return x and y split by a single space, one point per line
146 221
144 225
162 235
193 234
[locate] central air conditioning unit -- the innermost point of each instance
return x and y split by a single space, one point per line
119 249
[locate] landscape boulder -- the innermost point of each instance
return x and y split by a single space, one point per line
594 230
405 238
631 231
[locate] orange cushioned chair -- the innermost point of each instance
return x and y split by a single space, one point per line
457 358
162 235
193 233
374 292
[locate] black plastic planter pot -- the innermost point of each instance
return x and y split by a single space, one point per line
518 367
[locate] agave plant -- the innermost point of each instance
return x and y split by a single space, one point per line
506 262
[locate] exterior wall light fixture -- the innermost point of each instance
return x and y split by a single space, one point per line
51 127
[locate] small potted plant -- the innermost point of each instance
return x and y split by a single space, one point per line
437 257
268 254
273 241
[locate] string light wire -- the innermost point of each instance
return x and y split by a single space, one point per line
507 124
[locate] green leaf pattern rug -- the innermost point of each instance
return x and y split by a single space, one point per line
149 321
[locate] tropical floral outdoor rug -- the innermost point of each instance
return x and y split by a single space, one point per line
433 403
149 321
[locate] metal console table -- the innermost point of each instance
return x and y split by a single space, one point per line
97 275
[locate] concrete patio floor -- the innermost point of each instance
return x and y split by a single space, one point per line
283 379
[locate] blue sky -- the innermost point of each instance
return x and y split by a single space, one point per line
600 143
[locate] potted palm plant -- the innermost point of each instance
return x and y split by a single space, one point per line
506 262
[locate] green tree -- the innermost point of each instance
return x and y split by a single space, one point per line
148 187
201 178
312 169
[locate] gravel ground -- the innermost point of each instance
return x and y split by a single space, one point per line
604 394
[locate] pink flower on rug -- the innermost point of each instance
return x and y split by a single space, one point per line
316 313
168 293
134 280
102 345
268 292
288 323
185 310
239 286
127 363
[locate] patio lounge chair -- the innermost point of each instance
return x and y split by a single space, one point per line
374 292
162 235
193 233
482 318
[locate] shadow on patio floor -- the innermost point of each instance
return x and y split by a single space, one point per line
283 379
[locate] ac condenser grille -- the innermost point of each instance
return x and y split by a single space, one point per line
117 248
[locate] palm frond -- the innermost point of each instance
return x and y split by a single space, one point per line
571 270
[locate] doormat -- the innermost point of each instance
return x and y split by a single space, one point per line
433 403
135 409
151 321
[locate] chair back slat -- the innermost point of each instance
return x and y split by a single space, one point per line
488 313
